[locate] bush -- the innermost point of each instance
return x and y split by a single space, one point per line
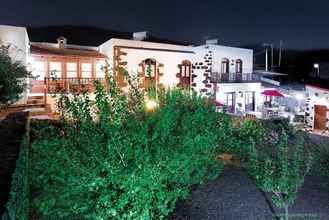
111 160
18 204
279 166
322 166
12 76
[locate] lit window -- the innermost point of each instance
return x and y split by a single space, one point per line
71 70
99 69
86 70
39 70
150 70
55 69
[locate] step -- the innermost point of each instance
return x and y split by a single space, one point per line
31 102
36 111
38 97
19 106
35 101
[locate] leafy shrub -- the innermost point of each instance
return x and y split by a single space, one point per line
322 166
124 163
12 74
18 204
279 166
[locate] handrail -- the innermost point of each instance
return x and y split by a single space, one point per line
233 77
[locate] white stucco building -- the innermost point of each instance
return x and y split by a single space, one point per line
212 70
205 68
317 109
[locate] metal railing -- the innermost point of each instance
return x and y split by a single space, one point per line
233 77
71 84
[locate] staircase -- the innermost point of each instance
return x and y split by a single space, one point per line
36 100
36 106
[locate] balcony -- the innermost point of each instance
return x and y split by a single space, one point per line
71 85
234 78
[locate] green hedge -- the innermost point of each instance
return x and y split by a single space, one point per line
17 207
128 165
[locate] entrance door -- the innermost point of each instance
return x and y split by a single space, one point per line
320 117
230 101
39 73
250 101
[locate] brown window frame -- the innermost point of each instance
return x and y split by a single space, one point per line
238 66
149 62
226 69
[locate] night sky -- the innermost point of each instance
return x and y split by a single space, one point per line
300 24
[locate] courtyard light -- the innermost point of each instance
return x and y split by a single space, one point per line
299 96
317 67
151 105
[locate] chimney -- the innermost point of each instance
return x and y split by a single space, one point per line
61 41
142 35
212 41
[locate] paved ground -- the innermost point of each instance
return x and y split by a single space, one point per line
233 196
12 129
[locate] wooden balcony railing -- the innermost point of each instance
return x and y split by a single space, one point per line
71 85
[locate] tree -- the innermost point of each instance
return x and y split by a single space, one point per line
12 77
280 167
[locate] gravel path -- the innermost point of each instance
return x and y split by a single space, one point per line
233 196
12 129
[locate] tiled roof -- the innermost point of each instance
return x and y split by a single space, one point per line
48 50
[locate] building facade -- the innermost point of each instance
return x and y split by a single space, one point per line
225 73
317 109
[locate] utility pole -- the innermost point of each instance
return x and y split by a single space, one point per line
266 60
266 45
280 51
272 54
266 56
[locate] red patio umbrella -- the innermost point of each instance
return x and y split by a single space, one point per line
219 103
272 93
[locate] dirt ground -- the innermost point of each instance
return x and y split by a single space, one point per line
233 196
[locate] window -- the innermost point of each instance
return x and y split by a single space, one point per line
149 73
238 66
39 70
99 69
250 101
86 70
150 68
55 69
225 65
185 69
71 70
230 101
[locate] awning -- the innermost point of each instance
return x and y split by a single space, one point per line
272 93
